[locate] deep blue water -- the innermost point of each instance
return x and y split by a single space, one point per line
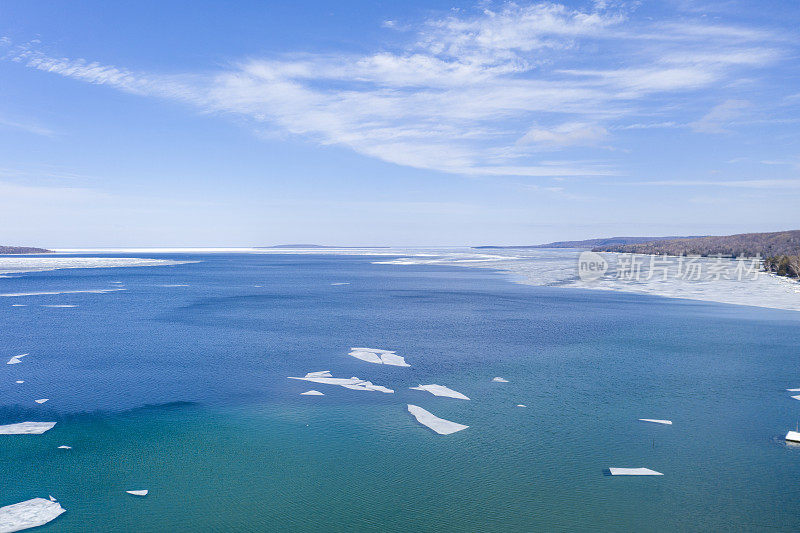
183 390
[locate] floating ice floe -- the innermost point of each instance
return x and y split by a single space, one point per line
28 514
51 293
26 428
440 390
499 380
381 357
16 359
657 421
41 400
64 447
320 374
312 392
439 425
634 472
793 436
348 383
15 265
138 492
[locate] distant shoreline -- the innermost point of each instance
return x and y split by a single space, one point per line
21 250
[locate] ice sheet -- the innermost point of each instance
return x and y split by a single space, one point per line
28 514
559 268
634 472
378 356
52 293
441 390
353 383
26 428
16 359
320 374
439 425
21 264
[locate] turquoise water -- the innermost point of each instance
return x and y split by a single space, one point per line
183 391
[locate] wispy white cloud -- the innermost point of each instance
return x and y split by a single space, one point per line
567 134
478 93
720 117
742 184
29 127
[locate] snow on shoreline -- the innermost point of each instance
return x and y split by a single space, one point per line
558 268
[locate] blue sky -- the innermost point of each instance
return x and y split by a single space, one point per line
398 123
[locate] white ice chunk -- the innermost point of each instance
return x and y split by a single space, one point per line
42 400
312 392
16 359
349 383
52 293
391 358
793 436
368 356
439 425
378 356
138 492
26 428
440 390
499 380
634 472
62 447
320 374
28 514
657 421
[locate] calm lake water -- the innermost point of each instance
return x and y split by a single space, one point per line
178 384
